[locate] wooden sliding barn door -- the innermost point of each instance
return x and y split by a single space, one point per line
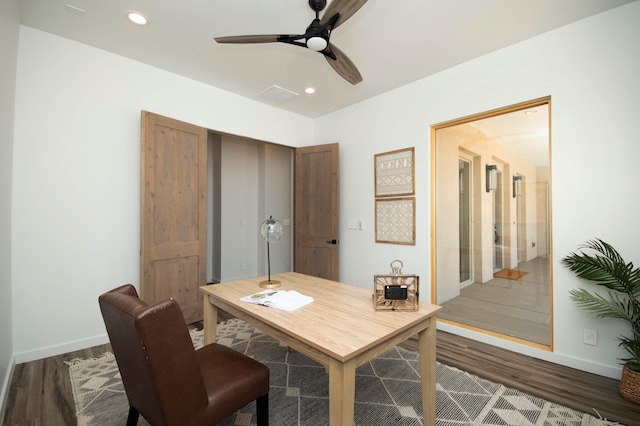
316 239
173 213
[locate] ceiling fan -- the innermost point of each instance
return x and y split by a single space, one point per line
316 37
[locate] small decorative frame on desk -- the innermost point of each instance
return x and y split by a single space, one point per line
396 291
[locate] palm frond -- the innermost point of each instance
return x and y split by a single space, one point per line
614 307
606 268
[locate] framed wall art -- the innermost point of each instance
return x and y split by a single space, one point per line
394 173
395 220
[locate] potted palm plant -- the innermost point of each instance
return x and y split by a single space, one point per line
606 267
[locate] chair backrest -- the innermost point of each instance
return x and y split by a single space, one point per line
155 355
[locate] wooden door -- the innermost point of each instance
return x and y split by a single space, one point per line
173 213
316 211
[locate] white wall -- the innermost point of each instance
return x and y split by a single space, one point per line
9 30
590 69
239 212
76 177
276 187
263 170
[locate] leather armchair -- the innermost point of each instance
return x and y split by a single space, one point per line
165 378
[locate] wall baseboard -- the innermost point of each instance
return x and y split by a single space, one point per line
60 349
613 372
4 392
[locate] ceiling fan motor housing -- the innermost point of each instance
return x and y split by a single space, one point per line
317 5
318 36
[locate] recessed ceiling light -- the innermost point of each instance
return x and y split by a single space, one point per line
309 90
531 111
137 18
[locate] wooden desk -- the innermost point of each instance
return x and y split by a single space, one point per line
340 329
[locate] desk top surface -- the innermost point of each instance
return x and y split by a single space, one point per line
341 321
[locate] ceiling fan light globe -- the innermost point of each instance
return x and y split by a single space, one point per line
317 43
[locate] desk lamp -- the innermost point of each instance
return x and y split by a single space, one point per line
271 230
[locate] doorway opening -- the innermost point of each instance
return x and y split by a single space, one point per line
491 261
247 181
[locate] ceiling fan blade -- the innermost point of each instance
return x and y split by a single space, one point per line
346 9
343 65
245 39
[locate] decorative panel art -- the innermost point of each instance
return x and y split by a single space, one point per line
395 220
394 177
395 173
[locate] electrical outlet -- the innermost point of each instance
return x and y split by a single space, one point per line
243 266
590 337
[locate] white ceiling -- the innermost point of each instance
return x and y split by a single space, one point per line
525 132
391 42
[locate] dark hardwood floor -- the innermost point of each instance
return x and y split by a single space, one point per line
586 392
40 392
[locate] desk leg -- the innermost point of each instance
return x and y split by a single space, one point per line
210 320
427 348
342 392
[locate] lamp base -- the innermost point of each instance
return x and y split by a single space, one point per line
269 284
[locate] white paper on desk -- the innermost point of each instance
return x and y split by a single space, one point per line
279 299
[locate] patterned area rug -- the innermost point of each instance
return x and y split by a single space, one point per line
387 391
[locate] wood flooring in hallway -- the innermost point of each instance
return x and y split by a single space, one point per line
519 308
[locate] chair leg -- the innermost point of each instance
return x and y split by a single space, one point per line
262 408
134 414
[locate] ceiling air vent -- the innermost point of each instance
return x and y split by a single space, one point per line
277 94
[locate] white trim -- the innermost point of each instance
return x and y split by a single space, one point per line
61 349
553 357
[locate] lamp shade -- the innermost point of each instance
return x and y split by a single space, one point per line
517 186
492 177
271 230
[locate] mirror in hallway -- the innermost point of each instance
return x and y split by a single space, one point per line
491 245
